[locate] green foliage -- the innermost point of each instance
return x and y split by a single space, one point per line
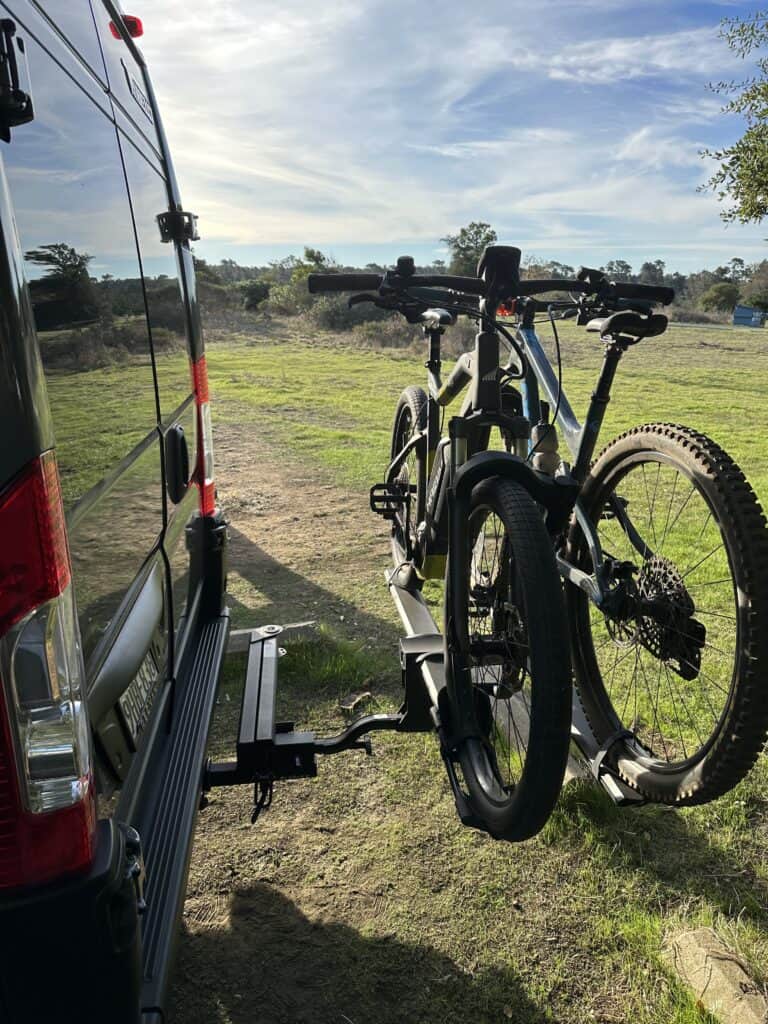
722 297
254 293
756 291
652 272
467 246
618 270
205 272
742 176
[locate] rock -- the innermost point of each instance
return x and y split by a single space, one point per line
716 977
353 700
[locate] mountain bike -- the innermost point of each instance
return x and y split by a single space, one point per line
645 570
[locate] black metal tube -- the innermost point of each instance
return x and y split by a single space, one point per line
601 396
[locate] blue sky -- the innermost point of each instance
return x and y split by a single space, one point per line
371 128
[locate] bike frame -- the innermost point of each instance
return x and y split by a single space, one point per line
483 409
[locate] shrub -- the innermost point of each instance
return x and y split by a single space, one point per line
332 313
168 313
390 332
254 293
290 298
720 297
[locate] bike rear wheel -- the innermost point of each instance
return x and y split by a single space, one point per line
511 677
674 676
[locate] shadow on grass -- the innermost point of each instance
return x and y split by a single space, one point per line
670 849
290 596
273 965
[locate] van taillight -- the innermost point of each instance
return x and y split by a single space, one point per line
47 800
204 468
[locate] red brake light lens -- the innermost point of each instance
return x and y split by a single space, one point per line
47 806
34 560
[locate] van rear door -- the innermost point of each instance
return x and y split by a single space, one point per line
153 192
68 188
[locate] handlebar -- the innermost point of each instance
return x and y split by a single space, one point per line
343 282
647 292
608 290
372 282
476 286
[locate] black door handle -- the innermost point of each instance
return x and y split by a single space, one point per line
176 463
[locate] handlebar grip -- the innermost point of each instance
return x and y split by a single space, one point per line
468 285
649 292
343 282
557 284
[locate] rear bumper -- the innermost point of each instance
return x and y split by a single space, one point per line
70 951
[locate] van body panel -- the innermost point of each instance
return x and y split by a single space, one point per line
100 324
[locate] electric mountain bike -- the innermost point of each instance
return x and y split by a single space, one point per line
645 570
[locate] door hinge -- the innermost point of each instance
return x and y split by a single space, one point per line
177 226
15 101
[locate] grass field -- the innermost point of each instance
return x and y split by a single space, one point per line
334 405
383 907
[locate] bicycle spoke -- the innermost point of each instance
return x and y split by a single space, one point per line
674 708
702 561
669 512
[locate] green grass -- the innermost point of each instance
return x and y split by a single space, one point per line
602 886
334 405
567 927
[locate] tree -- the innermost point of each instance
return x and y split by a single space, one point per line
318 259
742 176
618 270
739 270
205 273
652 272
61 261
721 297
755 292
467 246
556 269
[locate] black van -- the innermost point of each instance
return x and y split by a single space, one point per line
112 619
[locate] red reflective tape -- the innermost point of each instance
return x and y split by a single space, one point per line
200 380
207 498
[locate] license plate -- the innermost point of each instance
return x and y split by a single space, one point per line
136 702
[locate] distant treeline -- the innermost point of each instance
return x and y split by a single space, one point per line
280 286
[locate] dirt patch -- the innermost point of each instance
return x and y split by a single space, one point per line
300 546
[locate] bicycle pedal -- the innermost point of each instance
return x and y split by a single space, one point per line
387 499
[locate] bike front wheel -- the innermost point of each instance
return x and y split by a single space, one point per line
672 676
410 421
510 682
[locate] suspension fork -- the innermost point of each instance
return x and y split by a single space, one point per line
456 599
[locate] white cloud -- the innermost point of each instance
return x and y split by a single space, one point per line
674 54
366 121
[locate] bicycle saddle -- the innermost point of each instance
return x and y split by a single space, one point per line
629 324
437 318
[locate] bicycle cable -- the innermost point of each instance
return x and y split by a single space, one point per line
475 314
551 315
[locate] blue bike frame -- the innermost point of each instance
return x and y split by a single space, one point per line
581 440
